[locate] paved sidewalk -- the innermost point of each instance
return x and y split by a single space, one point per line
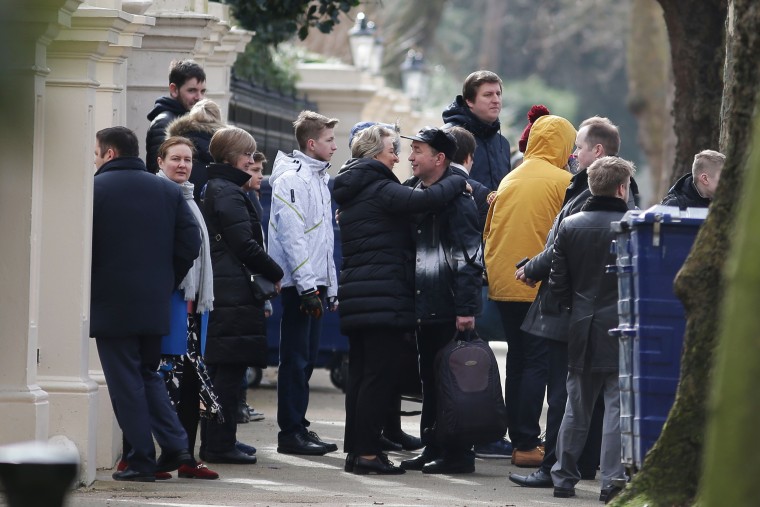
280 479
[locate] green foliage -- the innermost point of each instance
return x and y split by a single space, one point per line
519 96
275 21
268 67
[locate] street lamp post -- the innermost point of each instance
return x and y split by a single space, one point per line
361 39
415 77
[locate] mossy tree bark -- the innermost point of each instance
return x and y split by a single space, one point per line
697 50
671 470
734 406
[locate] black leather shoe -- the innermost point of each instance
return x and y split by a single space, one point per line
299 444
388 445
563 492
312 435
169 461
235 457
134 476
406 441
380 465
417 462
450 466
538 479
609 493
350 462
245 448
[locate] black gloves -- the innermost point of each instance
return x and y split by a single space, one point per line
311 304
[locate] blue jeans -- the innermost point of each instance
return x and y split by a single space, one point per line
299 346
525 381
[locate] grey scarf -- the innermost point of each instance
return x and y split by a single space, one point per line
200 279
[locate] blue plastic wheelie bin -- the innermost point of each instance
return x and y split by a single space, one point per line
651 247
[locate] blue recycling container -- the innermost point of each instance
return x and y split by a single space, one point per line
651 247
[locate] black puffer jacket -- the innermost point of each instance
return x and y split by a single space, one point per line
200 134
376 286
580 282
684 194
491 158
164 111
449 267
236 331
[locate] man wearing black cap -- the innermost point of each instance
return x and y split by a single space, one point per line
448 278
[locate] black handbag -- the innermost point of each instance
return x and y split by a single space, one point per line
262 288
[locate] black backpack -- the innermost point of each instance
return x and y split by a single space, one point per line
470 406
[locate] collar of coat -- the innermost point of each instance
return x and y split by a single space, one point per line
604 203
229 173
122 164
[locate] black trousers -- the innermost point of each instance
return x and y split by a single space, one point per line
139 398
373 369
430 340
188 411
219 437
556 397
525 379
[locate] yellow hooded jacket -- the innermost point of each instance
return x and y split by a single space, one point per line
527 201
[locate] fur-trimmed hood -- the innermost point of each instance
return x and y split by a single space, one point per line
185 125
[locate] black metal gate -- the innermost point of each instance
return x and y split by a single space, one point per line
267 115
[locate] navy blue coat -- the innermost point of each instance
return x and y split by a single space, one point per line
144 241
491 158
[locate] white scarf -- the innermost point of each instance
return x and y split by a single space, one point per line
200 279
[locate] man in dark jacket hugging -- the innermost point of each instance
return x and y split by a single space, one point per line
578 279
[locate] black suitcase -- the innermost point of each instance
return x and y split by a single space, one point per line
470 406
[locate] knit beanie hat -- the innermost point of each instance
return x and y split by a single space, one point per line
535 113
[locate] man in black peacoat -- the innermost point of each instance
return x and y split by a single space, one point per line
144 240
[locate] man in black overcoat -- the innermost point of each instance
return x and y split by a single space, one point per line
144 241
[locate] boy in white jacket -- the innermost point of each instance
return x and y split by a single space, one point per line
301 240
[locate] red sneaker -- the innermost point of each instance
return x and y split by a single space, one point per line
199 471
160 476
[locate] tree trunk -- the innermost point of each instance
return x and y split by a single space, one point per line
493 25
695 31
650 90
734 406
671 470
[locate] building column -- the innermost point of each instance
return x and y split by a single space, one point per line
178 33
227 43
25 32
64 343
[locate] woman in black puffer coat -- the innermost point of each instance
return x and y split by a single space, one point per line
376 285
237 331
